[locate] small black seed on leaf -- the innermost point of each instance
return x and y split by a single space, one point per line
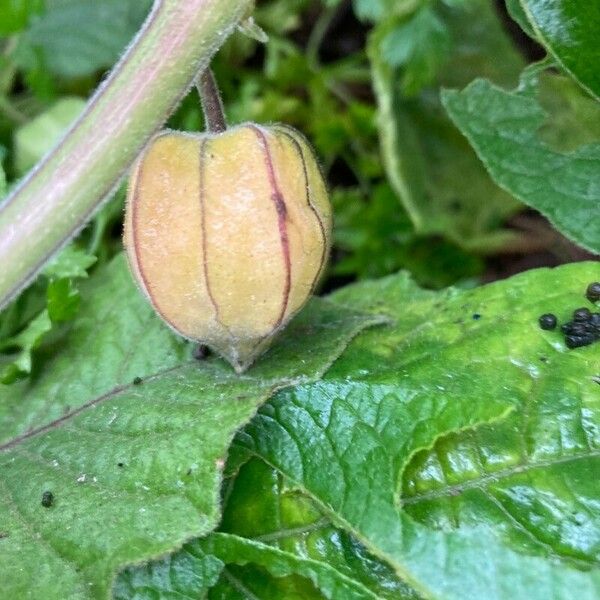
120 464
137 380
47 499
548 321
581 315
578 341
593 291
573 328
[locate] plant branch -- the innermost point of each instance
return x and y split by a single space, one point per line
64 190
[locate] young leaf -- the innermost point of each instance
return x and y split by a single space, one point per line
420 45
434 173
13 367
569 30
452 362
28 328
503 128
129 434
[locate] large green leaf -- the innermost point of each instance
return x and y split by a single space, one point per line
503 128
129 434
453 361
435 174
513 420
274 542
569 30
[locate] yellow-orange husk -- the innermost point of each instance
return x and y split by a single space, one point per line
227 234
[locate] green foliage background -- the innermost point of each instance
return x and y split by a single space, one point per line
403 439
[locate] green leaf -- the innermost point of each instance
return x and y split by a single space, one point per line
378 10
531 477
133 464
421 45
30 319
63 300
14 367
79 37
569 30
376 238
16 14
275 543
189 573
451 363
34 139
503 128
515 10
433 171
72 262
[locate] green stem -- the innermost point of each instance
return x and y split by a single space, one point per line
64 190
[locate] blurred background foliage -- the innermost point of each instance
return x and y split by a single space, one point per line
360 78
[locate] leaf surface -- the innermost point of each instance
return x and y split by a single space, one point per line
452 363
503 128
129 434
449 455
435 174
569 30
275 543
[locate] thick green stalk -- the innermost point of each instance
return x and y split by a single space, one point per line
63 191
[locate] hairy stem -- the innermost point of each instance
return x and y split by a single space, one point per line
212 106
63 191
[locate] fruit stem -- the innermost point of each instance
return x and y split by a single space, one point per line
212 105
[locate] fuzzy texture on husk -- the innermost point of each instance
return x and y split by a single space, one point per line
227 234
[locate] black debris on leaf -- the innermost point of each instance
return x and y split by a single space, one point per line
577 341
583 330
582 315
584 327
201 352
137 380
548 321
47 499
593 291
